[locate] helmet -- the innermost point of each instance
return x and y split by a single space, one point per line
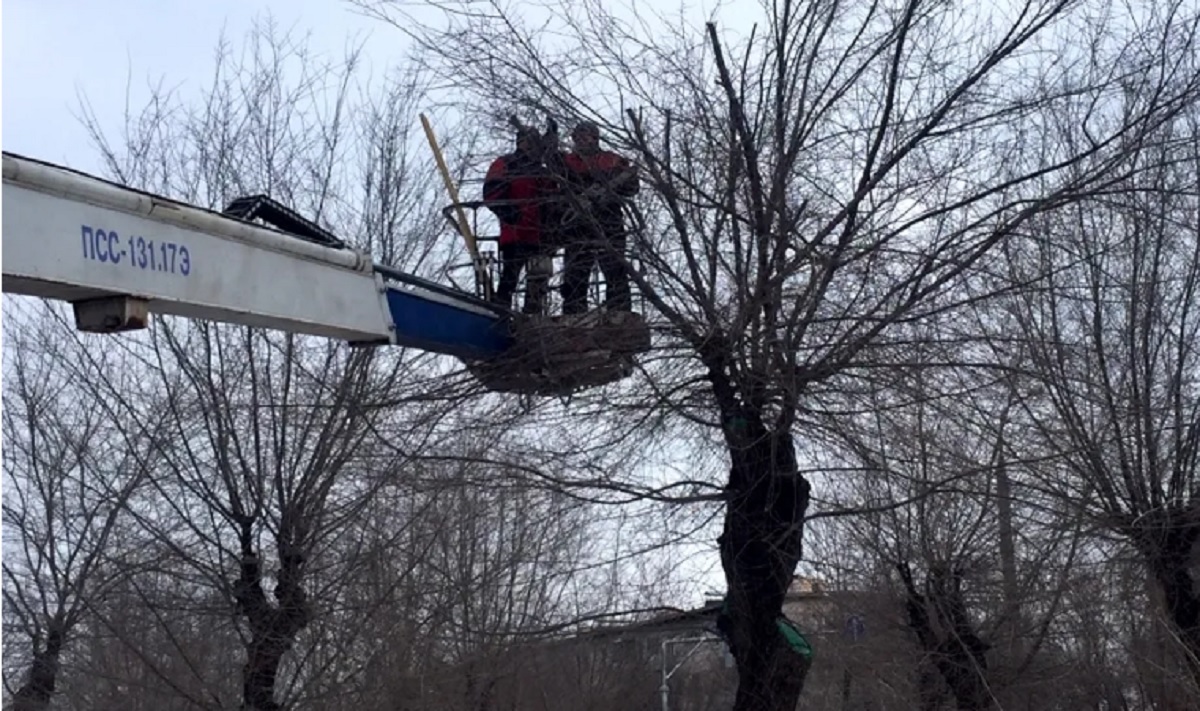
588 128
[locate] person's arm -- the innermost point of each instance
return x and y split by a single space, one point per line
496 189
626 182
615 182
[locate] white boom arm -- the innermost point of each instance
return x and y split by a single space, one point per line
119 253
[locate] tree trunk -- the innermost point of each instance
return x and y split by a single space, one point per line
273 628
1170 555
760 548
38 689
1008 551
939 619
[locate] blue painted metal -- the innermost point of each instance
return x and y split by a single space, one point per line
434 325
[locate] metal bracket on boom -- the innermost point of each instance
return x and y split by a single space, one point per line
113 314
280 216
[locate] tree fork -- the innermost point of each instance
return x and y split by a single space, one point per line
947 636
273 628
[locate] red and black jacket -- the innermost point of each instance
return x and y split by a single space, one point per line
515 188
602 168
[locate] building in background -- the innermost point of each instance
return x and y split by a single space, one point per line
863 658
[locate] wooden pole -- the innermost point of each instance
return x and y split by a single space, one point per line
464 227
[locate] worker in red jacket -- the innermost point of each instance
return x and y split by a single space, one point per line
515 189
600 182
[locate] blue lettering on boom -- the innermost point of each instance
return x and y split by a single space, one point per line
101 245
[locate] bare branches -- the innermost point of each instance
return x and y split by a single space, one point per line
310 511
69 474
1111 336
826 194
928 265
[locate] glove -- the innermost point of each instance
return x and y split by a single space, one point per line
508 214
541 266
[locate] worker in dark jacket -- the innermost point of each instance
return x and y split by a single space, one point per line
600 181
515 188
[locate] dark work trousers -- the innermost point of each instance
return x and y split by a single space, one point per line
514 259
584 249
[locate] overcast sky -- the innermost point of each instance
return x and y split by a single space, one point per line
55 49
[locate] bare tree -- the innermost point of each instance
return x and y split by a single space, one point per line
279 439
1109 332
841 172
69 472
938 506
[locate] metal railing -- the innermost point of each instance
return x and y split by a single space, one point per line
491 262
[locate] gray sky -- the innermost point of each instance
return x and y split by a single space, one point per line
56 50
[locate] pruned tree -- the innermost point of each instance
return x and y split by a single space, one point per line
939 504
842 170
1108 330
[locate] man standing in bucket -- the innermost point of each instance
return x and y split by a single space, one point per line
514 189
601 181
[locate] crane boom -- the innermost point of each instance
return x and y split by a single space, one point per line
118 254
